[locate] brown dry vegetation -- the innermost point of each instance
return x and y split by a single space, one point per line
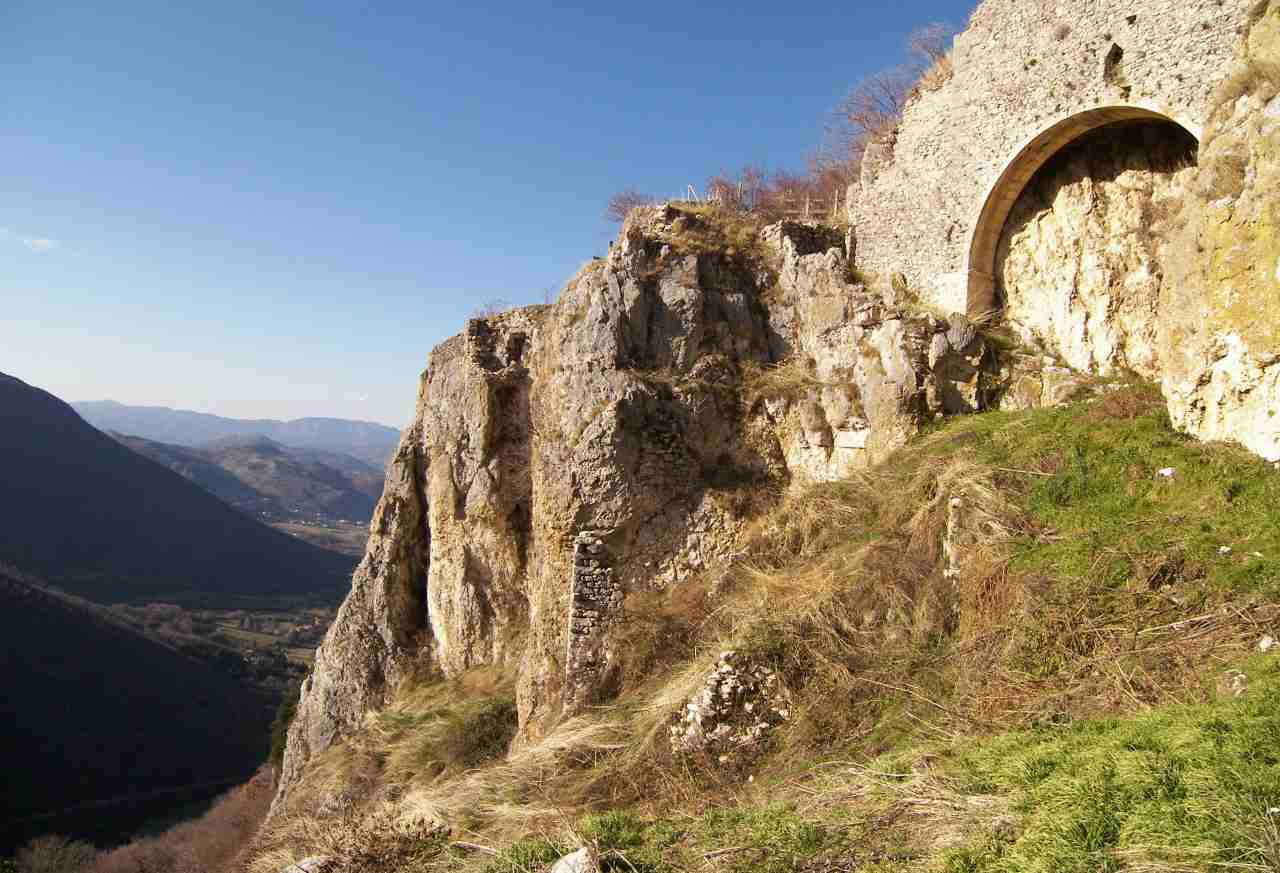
210 843
710 228
53 853
1081 593
869 113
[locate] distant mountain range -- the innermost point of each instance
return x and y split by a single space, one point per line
103 728
369 442
100 520
272 481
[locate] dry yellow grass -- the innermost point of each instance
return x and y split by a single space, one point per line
789 380
880 636
937 75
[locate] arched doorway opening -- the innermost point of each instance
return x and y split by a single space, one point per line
989 226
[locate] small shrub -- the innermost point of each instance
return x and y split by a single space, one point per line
937 75
280 725
478 733
526 856
621 204
870 112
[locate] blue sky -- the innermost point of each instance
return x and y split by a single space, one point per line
277 209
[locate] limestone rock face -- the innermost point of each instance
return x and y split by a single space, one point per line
1220 331
563 456
1080 267
877 367
379 632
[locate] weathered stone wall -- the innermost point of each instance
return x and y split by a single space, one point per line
594 602
1021 68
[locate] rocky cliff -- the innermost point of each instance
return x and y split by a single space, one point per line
1220 330
564 457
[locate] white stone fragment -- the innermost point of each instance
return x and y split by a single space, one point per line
851 439
580 861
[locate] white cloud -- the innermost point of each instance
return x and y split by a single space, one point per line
40 244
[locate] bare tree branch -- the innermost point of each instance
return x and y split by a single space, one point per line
621 204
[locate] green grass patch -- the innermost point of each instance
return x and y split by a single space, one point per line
628 842
1180 787
769 839
524 856
1091 473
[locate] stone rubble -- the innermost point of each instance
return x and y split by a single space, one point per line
736 708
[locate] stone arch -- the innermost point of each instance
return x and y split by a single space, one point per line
984 236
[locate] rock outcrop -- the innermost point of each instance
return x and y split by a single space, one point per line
563 456
1220 325
566 456
379 633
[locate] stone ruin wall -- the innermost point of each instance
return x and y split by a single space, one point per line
1020 68
595 597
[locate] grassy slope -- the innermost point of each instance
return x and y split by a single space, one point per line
1068 703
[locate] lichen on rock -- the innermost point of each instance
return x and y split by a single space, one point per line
1220 325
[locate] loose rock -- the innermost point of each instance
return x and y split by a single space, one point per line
738 705
581 861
